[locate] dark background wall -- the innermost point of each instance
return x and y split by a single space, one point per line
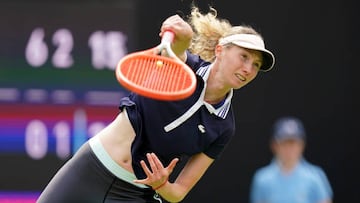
315 79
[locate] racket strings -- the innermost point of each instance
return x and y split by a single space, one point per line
157 74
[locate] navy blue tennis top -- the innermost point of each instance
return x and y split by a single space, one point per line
179 128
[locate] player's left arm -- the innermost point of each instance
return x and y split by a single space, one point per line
188 177
194 169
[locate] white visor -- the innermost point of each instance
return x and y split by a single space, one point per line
251 41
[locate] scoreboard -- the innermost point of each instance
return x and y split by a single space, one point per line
57 83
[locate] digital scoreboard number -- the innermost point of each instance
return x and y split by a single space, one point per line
57 84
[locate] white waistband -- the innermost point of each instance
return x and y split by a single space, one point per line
110 164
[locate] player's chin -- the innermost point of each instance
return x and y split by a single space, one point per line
238 87
239 84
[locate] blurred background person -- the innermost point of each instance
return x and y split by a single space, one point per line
289 178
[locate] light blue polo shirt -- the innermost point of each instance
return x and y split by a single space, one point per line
307 183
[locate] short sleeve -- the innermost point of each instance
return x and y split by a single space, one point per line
322 189
256 190
194 61
218 146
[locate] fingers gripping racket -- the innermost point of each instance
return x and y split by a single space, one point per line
152 75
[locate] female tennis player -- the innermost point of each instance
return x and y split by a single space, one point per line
132 159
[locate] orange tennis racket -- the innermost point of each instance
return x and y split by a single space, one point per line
152 75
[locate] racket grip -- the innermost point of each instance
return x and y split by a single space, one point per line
168 36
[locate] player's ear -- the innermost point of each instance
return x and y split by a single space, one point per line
218 50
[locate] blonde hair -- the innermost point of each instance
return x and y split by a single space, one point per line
208 29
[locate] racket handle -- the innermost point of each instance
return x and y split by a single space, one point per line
168 36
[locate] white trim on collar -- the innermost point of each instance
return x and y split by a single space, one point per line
221 112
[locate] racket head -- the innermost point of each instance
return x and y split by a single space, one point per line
155 76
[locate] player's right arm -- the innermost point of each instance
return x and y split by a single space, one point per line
183 34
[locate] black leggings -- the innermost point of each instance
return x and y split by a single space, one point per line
84 179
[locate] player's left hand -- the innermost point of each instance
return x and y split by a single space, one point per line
157 174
